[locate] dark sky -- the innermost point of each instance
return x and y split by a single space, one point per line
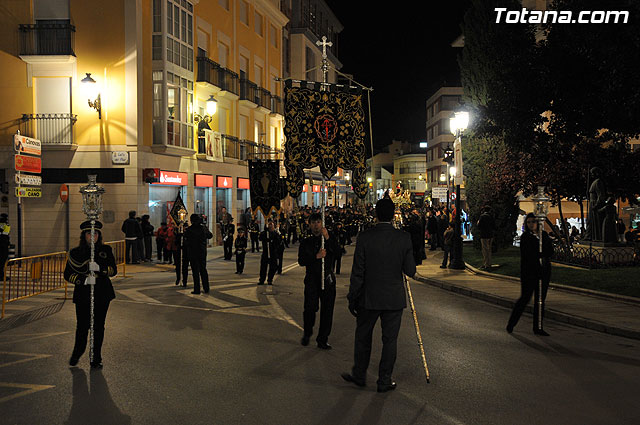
403 50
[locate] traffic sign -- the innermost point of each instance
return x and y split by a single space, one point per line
28 192
30 164
28 180
64 192
453 196
23 144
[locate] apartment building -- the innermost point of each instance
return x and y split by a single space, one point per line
183 93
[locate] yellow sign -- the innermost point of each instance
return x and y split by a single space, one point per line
28 192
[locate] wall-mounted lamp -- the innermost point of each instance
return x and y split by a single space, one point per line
211 107
93 94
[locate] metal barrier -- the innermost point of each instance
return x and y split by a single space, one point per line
28 276
119 252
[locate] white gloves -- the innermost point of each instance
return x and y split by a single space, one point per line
94 267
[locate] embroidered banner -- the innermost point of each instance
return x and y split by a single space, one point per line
326 129
264 184
178 212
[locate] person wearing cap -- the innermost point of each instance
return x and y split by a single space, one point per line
195 239
228 229
5 230
76 271
241 250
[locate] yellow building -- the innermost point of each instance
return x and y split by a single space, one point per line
159 66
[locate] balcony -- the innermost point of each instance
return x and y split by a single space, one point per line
277 106
212 73
54 130
47 40
249 91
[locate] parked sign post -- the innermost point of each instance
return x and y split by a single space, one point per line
23 162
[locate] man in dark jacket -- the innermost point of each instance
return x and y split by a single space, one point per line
432 228
381 257
147 232
228 230
271 241
310 256
195 238
132 231
486 225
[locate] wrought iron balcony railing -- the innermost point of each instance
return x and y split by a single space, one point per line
47 39
212 73
50 129
249 91
277 106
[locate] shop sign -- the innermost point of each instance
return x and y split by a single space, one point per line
28 180
243 183
316 188
204 180
28 192
172 178
224 182
23 144
305 188
120 158
29 164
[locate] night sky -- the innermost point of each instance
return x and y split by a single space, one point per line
404 53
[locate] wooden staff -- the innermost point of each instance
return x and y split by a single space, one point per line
415 322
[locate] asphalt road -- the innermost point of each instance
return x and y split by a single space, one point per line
233 357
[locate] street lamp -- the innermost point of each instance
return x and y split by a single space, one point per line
90 86
458 124
448 158
92 207
540 209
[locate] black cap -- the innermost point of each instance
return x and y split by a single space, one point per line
87 225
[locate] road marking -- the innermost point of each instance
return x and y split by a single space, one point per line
250 294
208 299
30 356
280 314
37 336
29 389
134 294
289 267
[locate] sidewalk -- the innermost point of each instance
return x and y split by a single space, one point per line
598 311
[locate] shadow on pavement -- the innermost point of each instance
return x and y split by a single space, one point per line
93 404
21 319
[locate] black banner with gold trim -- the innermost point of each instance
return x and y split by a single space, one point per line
265 187
326 129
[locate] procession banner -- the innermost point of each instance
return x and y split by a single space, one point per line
213 145
264 186
326 129
178 211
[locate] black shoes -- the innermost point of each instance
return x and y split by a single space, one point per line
383 388
196 293
304 340
443 266
260 283
73 361
324 346
269 283
509 329
349 378
96 365
177 282
540 332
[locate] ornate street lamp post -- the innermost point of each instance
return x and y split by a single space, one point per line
92 207
458 124
540 209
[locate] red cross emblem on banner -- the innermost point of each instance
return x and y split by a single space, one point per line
326 128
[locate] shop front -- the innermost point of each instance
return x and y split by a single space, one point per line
224 188
303 198
162 195
243 204
202 197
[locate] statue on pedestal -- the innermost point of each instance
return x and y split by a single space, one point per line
597 201
609 228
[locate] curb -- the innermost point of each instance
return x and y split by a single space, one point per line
561 287
549 313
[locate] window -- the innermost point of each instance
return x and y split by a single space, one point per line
258 23
273 36
157 47
223 54
258 135
169 17
243 63
243 12
242 131
257 75
224 4
157 16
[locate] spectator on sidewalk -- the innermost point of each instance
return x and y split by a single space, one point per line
147 232
132 231
181 258
448 246
432 229
5 230
531 270
161 241
486 225
140 240
196 237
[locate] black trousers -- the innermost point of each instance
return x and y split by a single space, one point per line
317 299
240 262
83 318
445 258
228 248
198 263
529 287
390 321
182 265
279 263
339 262
294 234
131 251
160 244
272 264
255 243
147 247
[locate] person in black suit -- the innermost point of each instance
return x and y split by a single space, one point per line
310 256
530 271
271 241
241 250
228 230
382 255
76 271
195 238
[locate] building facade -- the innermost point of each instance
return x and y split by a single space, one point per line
159 68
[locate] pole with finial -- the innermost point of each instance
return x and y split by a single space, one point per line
325 70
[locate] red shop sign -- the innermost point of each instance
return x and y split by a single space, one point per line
204 180
305 188
224 182
30 164
243 183
316 188
172 178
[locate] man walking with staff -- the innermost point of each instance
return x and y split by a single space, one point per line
382 255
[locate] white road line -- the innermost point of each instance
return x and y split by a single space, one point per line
137 296
250 293
208 299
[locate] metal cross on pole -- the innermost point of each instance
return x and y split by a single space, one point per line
325 70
